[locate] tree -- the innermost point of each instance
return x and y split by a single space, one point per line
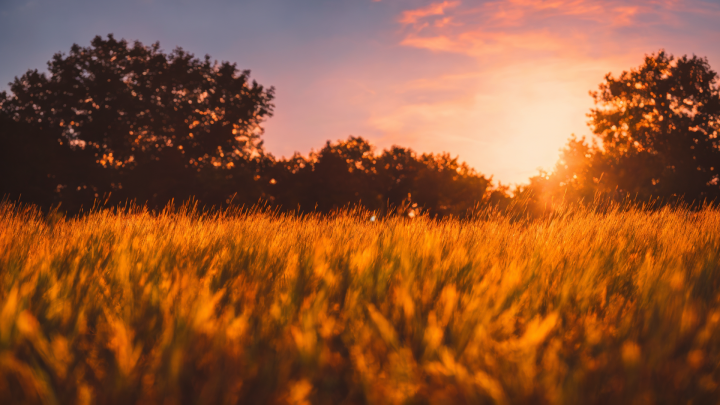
655 135
350 172
659 126
129 117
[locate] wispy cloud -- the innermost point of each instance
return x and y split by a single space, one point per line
433 10
554 25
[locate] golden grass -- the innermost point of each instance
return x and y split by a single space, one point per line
130 307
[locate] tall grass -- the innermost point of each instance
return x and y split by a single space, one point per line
181 308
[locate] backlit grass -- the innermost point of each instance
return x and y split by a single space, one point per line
181 308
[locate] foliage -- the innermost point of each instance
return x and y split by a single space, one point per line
233 307
657 128
350 172
666 115
128 117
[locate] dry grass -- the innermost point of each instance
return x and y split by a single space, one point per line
131 307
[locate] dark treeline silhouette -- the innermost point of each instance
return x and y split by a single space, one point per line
116 123
351 173
130 123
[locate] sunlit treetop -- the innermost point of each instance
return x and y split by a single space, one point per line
656 139
665 117
665 103
131 104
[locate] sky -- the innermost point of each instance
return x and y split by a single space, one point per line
502 85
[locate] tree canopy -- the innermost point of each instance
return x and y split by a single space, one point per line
132 104
133 108
351 172
655 135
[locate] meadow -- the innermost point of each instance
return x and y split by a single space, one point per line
181 307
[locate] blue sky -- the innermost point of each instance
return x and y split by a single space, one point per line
501 84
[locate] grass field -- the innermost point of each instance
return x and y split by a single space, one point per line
183 308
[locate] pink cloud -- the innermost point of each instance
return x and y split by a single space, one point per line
553 25
435 9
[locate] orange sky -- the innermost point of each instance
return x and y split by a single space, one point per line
501 84
520 87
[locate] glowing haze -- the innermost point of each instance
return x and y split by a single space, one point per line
501 84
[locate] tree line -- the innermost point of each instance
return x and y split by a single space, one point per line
115 122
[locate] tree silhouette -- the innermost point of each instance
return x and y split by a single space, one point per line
350 172
129 117
655 135
659 127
